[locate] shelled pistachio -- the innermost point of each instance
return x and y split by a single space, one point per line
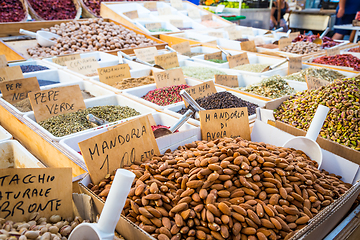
69 123
272 87
343 120
322 73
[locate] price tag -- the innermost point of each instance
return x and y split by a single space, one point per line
153 26
177 4
315 83
295 65
113 74
332 51
248 46
10 73
14 91
207 17
152 6
227 80
3 61
216 34
215 55
235 34
85 66
193 13
128 142
164 11
219 123
146 54
177 23
168 60
56 101
237 60
183 47
28 190
284 42
132 14
169 78
60 60
201 90
219 8
248 31
294 35
230 28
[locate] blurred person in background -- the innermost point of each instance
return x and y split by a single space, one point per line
345 14
277 17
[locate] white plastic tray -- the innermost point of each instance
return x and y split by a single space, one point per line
185 132
57 76
34 62
14 155
101 101
92 88
106 59
4 135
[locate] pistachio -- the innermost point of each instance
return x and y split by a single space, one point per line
32 234
55 218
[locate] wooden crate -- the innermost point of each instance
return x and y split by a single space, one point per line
49 152
12 29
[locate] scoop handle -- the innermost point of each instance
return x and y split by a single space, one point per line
278 30
279 64
225 52
191 101
115 201
170 49
26 32
324 33
181 121
317 122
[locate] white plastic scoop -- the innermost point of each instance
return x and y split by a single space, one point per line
308 143
110 215
42 37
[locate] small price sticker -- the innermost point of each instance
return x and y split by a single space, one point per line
146 54
315 83
220 123
153 26
183 47
168 60
152 6
193 13
284 42
85 66
237 60
164 11
248 46
248 31
207 17
3 61
61 60
169 78
294 35
132 14
216 34
295 65
333 51
234 34
177 4
113 74
10 73
230 28
215 55
177 23
227 80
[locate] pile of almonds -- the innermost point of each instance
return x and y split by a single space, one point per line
227 189
54 228
90 35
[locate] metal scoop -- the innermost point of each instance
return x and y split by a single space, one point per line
286 36
43 38
186 96
164 131
140 61
319 40
225 52
308 143
171 49
95 120
110 215
268 68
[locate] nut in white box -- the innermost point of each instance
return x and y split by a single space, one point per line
101 101
185 132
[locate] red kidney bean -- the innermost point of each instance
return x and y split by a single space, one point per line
345 60
11 11
54 9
